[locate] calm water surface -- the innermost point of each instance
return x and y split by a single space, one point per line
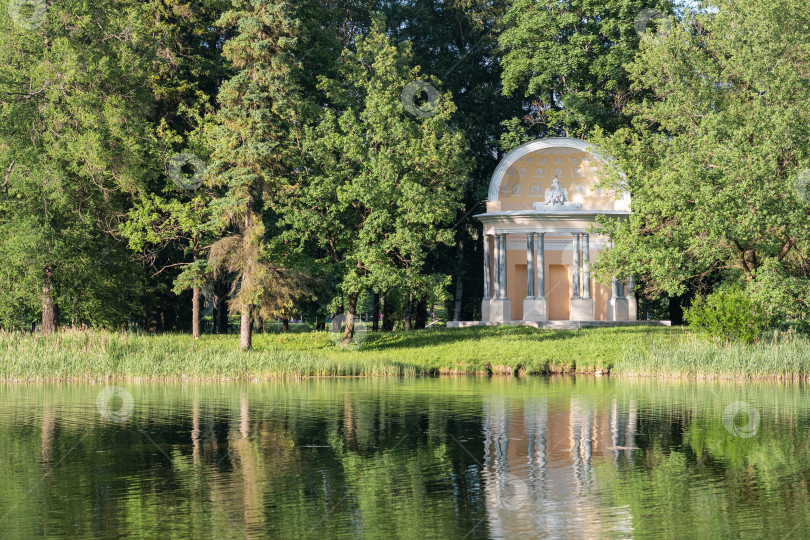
418 458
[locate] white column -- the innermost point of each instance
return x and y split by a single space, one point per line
618 308
535 307
581 307
575 265
503 266
632 303
499 306
496 282
541 266
586 274
530 265
487 262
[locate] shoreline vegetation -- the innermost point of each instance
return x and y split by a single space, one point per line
74 355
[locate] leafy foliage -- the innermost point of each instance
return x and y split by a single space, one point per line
377 186
569 59
712 156
729 314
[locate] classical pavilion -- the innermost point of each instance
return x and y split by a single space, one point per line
538 241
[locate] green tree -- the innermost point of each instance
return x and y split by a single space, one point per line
457 41
157 223
712 158
568 59
251 147
377 186
165 227
75 143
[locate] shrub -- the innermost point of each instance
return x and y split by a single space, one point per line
729 314
783 295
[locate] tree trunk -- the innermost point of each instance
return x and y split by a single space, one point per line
420 316
246 324
50 308
285 325
408 325
195 312
375 324
351 308
388 313
459 283
246 329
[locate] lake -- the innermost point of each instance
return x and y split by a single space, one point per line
485 457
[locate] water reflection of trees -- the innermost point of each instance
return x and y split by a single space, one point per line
342 458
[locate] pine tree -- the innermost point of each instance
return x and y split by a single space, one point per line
251 148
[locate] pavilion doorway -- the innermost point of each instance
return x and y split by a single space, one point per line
559 293
517 288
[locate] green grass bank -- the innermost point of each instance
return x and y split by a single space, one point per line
634 351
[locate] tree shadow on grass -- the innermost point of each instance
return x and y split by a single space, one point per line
448 336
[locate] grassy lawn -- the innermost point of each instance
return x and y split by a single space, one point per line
655 351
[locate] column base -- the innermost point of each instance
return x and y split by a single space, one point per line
618 309
485 308
535 309
581 309
500 310
632 309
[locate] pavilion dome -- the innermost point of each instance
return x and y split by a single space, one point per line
522 178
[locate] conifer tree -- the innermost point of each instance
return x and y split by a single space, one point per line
251 147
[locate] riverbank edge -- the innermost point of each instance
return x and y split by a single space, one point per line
662 353
129 379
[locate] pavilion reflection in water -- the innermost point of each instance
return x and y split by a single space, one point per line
539 464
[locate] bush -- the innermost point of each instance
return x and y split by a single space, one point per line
783 295
729 314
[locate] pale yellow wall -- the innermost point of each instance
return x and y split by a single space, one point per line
517 288
601 295
558 292
526 181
